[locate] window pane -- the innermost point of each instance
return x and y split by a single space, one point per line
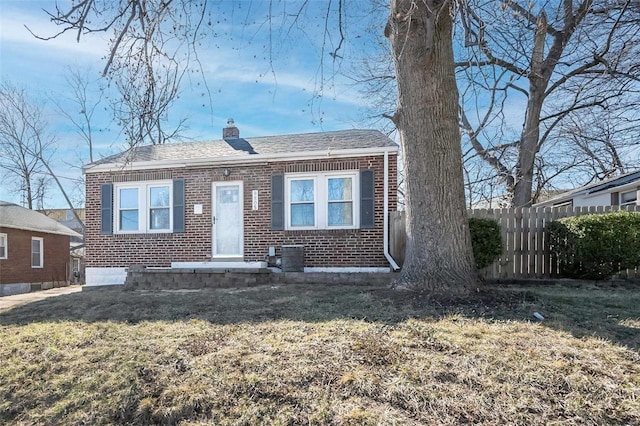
340 214
340 189
302 215
159 197
628 197
36 249
129 198
227 195
302 190
159 219
128 220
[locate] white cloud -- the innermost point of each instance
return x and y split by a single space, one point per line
14 31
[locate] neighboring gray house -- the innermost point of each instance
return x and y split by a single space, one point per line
618 191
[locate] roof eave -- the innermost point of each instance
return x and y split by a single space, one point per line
586 193
71 232
235 159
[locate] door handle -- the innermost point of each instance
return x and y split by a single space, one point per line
214 220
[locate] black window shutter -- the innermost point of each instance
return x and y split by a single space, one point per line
106 208
178 205
277 202
366 198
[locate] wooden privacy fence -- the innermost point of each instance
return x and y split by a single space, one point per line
525 253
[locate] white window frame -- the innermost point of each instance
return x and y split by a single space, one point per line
321 199
144 206
628 203
288 180
41 240
4 239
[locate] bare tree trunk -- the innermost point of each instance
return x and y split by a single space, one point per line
27 188
439 258
522 191
538 80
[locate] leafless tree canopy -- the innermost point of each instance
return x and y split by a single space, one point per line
26 146
529 73
552 65
86 101
151 47
22 143
154 45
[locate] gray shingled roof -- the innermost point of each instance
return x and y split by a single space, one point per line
15 216
306 142
592 188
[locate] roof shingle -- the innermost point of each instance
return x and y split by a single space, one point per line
305 142
15 216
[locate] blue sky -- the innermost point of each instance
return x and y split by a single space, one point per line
237 71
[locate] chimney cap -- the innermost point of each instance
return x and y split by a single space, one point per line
230 122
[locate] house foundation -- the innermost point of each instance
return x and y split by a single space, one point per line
141 278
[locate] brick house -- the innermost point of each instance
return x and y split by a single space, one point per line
34 250
239 202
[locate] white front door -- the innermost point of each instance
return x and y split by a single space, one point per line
227 220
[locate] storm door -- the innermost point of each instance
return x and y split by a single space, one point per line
227 220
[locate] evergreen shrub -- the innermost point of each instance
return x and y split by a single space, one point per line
595 246
486 241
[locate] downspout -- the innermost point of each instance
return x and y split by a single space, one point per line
385 232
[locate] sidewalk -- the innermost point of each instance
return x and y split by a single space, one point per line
22 299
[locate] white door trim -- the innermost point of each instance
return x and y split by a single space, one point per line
215 221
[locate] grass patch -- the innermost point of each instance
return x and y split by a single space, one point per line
323 355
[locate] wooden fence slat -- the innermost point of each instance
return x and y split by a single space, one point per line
517 243
531 246
507 262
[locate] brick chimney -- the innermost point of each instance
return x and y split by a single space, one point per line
231 131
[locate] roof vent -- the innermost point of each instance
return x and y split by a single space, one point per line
231 131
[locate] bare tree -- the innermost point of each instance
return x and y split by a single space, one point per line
86 101
20 126
147 85
26 144
439 258
152 48
564 59
523 87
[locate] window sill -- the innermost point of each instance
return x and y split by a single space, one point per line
322 231
143 235
158 231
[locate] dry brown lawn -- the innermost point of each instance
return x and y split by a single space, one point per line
323 355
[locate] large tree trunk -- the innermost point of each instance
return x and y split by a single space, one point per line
439 259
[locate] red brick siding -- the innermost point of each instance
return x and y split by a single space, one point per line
323 248
17 267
